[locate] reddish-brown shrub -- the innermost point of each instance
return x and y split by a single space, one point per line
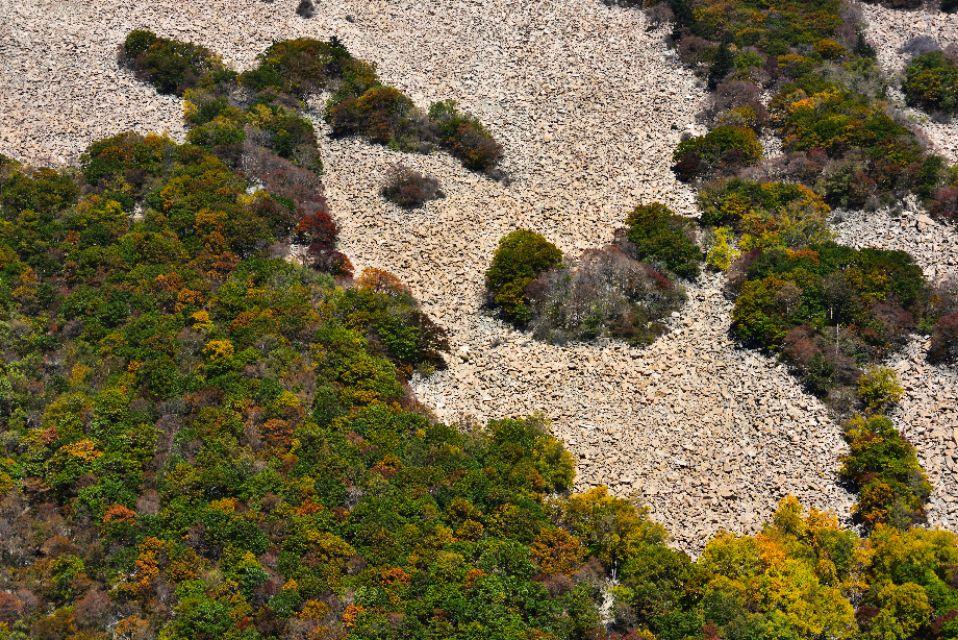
410 189
318 233
944 340
944 203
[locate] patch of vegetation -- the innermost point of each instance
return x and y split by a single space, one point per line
655 234
944 340
883 469
169 65
766 214
827 101
931 82
612 292
203 442
409 188
464 136
263 107
828 309
519 259
722 151
604 294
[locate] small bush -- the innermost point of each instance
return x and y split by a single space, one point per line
723 252
883 468
725 149
879 389
410 189
766 214
382 114
518 260
931 82
656 234
306 66
897 4
464 137
169 65
605 294
944 340
944 203
305 9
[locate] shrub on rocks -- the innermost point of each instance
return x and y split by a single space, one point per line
169 65
392 319
605 293
464 136
931 82
655 234
944 340
872 157
519 259
305 66
382 114
849 306
409 188
883 468
766 214
306 9
898 4
879 389
723 150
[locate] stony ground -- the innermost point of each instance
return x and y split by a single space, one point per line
589 105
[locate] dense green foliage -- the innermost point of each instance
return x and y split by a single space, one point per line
201 442
931 82
518 260
264 106
723 150
208 443
657 235
828 308
828 99
882 467
169 65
